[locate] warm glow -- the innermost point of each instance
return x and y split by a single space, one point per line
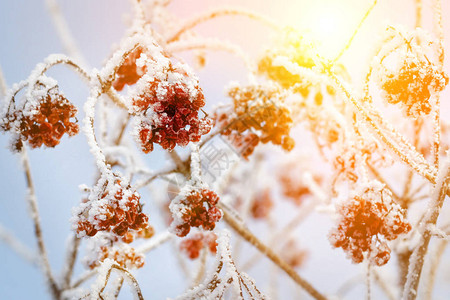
330 23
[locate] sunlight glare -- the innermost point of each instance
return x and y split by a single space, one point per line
330 24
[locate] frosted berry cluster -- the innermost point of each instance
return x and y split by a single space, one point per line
49 118
293 46
113 206
262 205
292 187
129 72
192 245
106 245
366 222
293 254
257 116
412 85
196 208
168 111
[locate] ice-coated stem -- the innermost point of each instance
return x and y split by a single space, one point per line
34 211
252 239
217 13
418 256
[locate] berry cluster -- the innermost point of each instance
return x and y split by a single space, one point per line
293 254
168 112
366 221
262 205
113 206
49 120
258 116
294 188
296 49
129 73
124 255
413 84
192 245
196 208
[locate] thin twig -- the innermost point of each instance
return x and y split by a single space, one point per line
434 265
380 178
17 246
118 288
62 29
155 242
3 85
201 267
252 239
83 278
217 13
418 257
389 136
37 227
72 251
368 281
135 284
383 285
436 112
419 7
349 42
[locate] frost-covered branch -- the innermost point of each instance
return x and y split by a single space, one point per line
104 274
3 86
34 211
155 242
350 40
63 31
417 259
212 44
252 239
71 256
189 24
17 246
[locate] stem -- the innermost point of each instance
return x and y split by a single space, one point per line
17 246
419 7
201 267
276 238
71 258
3 85
436 108
349 42
70 45
89 130
396 142
62 29
217 13
118 288
130 277
85 276
252 239
212 44
380 178
56 293
154 242
368 281
430 219
435 260
383 285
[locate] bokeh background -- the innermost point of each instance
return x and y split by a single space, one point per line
27 36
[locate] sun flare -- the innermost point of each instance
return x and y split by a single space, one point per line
330 24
